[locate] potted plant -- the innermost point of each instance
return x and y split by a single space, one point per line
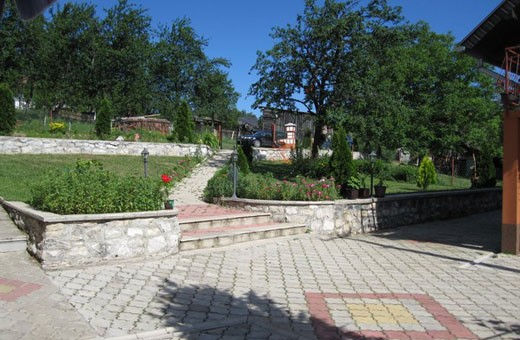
351 190
363 190
167 185
380 187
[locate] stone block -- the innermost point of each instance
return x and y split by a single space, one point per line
156 245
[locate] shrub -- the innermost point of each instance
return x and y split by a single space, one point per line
57 127
248 152
103 117
402 173
209 139
220 185
266 187
88 189
308 167
485 176
341 164
7 111
183 125
426 174
243 165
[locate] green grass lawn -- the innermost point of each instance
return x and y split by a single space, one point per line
17 172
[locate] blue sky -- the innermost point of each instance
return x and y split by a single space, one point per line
237 29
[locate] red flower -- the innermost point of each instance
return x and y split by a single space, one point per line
165 178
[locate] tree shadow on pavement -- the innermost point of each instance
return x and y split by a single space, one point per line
480 232
204 312
501 329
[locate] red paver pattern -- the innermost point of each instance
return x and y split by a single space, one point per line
325 327
204 210
14 289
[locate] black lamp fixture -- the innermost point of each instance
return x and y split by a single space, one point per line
145 155
372 156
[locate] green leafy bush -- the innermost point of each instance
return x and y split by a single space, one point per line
266 187
103 117
220 185
402 173
426 174
341 164
7 110
88 189
248 152
57 127
209 139
485 175
243 164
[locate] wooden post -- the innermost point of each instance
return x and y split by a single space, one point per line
511 184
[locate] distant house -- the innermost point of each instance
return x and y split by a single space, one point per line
248 125
304 120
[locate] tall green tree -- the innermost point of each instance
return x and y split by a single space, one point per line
69 57
104 114
7 111
20 52
124 58
307 62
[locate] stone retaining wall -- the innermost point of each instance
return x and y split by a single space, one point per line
59 241
348 217
273 154
18 145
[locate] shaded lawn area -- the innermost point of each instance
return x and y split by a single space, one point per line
282 170
18 171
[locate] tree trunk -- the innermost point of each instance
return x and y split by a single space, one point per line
319 138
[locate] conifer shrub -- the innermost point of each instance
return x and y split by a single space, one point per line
341 164
103 117
243 164
426 174
7 110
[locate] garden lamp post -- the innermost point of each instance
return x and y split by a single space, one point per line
234 159
145 155
372 156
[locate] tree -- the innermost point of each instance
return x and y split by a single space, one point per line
124 59
7 111
103 117
20 53
183 126
69 57
307 63
341 162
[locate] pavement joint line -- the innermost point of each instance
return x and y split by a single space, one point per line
478 260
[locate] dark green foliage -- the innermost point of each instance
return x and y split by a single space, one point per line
341 164
308 167
88 189
103 117
248 152
7 111
402 173
243 164
485 176
209 139
220 185
183 125
426 174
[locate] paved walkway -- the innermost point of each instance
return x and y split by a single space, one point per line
191 189
439 280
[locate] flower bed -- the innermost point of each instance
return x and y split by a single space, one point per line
59 241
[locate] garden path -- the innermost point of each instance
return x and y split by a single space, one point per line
191 189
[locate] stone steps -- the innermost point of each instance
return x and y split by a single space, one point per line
219 221
11 238
225 230
229 236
